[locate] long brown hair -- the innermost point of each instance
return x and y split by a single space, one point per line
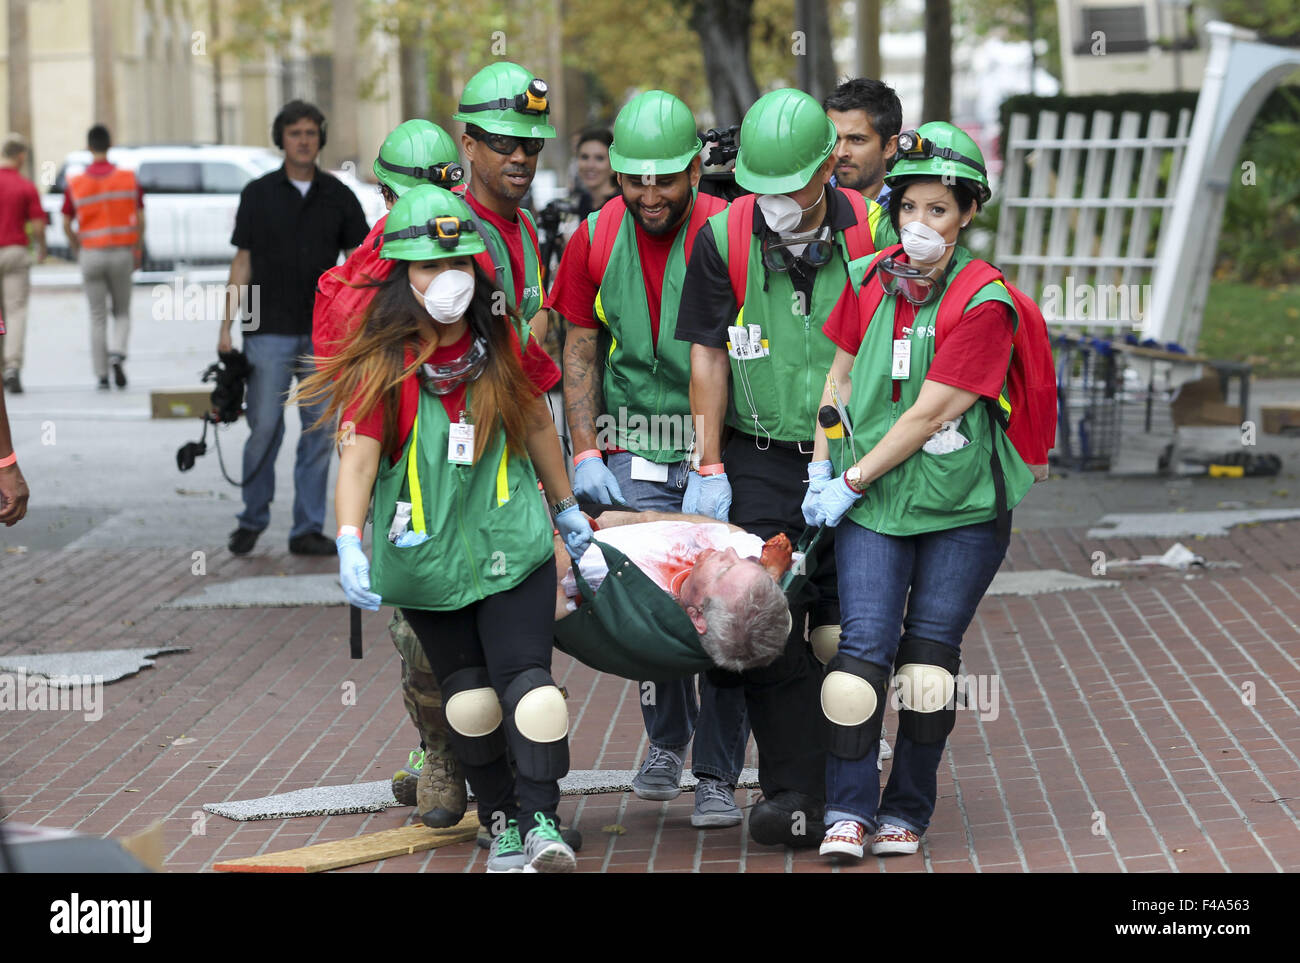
370 368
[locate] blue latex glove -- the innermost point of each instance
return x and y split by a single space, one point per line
707 495
575 530
832 503
354 573
819 476
594 482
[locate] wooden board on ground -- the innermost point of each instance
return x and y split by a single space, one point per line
351 852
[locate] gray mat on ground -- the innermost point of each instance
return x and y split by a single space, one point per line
108 664
1178 524
1040 581
373 797
264 591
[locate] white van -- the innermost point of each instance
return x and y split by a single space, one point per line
191 193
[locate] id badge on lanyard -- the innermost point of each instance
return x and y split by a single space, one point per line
460 442
901 367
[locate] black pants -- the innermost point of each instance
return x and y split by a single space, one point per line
507 633
784 699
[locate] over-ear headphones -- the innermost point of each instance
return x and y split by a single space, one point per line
278 125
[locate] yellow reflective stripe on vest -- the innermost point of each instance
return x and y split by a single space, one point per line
874 214
413 479
503 478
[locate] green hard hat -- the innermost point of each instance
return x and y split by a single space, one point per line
654 134
428 223
784 138
939 149
504 98
418 152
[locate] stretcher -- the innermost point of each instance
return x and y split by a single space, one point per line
632 628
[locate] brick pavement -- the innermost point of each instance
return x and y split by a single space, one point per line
1124 738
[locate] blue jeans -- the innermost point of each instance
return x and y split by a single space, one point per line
276 360
946 574
716 718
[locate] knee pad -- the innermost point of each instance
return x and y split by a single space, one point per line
537 721
825 641
853 700
925 679
473 716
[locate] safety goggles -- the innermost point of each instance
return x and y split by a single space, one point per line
915 147
813 248
445 229
910 282
507 143
443 379
533 100
448 172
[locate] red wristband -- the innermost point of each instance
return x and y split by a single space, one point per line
718 469
584 454
9 459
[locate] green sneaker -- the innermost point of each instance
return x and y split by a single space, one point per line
507 852
545 850
406 779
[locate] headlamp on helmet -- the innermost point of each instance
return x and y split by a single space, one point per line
445 229
534 100
915 147
446 173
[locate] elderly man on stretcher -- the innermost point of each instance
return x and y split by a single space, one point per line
725 579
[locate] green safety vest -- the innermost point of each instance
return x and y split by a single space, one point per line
925 493
779 394
487 524
532 293
646 384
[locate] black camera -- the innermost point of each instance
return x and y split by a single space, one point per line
229 375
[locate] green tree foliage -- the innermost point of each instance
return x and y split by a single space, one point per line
1011 18
1278 21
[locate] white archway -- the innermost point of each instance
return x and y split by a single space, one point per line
1239 76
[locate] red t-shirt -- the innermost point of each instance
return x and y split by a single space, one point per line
19 203
512 234
974 354
98 169
539 369
574 292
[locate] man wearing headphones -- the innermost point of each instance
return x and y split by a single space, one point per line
289 229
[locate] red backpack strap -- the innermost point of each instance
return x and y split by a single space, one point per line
706 205
601 242
964 286
740 230
858 237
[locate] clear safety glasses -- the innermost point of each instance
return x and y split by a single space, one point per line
910 282
443 379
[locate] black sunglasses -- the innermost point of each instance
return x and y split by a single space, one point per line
506 143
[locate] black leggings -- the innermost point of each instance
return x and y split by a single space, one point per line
517 626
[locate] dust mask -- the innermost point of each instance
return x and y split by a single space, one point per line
448 296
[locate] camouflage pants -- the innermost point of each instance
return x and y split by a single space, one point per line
420 690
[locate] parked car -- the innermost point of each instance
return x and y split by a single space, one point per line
191 195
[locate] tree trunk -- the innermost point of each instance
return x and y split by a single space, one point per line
101 39
723 27
937 104
812 48
413 60
343 145
867 25
20 79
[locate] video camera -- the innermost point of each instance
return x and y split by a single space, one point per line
723 150
229 375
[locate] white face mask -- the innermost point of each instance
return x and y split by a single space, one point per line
922 242
782 212
448 296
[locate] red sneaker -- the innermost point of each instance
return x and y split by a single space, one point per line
846 838
891 839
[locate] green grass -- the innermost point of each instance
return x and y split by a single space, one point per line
1255 323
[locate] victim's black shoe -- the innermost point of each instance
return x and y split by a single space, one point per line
789 818
313 543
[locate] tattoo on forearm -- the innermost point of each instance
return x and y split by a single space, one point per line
583 397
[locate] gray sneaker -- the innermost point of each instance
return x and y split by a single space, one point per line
715 805
660 777
507 852
545 851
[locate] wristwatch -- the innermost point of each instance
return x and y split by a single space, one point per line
853 478
564 503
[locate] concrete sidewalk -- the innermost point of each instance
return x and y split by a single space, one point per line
1148 727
